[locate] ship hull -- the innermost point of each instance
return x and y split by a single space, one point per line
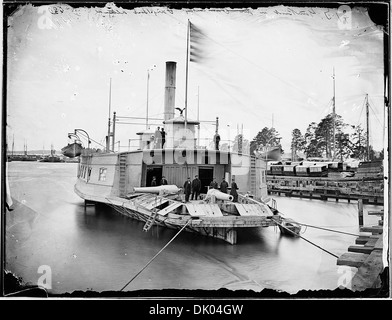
221 227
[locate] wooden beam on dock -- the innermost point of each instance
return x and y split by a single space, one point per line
352 259
379 244
371 243
373 229
368 275
360 249
376 213
362 239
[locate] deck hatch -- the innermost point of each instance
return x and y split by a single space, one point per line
169 208
251 209
204 209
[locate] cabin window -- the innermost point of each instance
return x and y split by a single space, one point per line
89 173
102 174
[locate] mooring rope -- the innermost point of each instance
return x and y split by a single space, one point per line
326 229
307 240
156 254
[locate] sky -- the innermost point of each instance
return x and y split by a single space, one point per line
264 67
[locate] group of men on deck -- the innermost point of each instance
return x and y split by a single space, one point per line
159 138
192 189
162 183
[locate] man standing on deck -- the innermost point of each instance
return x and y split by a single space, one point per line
196 186
163 134
154 182
158 138
223 186
233 190
187 189
214 184
163 181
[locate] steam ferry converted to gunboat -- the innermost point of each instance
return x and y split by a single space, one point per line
123 180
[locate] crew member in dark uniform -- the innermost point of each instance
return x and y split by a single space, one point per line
196 186
233 190
216 141
163 133
223 186
187 189
163 181
214 184
154 182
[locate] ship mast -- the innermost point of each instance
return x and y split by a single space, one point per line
198 111
367 129
186 76
333 115
110 102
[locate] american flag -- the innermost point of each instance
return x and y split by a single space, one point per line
196 39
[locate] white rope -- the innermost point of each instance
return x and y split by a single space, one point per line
156 255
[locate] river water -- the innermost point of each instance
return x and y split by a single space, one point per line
50 233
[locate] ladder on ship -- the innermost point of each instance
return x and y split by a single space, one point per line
253 175
150 221
123 170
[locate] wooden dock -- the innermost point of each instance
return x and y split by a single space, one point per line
366 255
370 190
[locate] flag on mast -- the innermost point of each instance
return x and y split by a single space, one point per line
195 43
197 39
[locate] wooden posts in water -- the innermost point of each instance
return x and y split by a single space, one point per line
360 212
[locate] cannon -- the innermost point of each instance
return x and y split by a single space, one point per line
166 189
218 195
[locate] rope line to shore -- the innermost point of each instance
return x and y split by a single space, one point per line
332 254
326 229
190 220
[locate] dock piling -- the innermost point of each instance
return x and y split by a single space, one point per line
360 212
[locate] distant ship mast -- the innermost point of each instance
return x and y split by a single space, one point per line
367 129
333 115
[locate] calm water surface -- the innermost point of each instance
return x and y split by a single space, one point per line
100 250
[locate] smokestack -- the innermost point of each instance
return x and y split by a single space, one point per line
170 89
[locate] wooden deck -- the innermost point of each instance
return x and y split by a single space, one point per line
366 255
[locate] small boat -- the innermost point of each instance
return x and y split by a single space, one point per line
289 227
72 150
52 157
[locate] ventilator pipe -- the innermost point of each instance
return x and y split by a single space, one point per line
219 195
159 189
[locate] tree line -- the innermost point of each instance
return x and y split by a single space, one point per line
318 141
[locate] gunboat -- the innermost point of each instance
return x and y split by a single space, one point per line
122 180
